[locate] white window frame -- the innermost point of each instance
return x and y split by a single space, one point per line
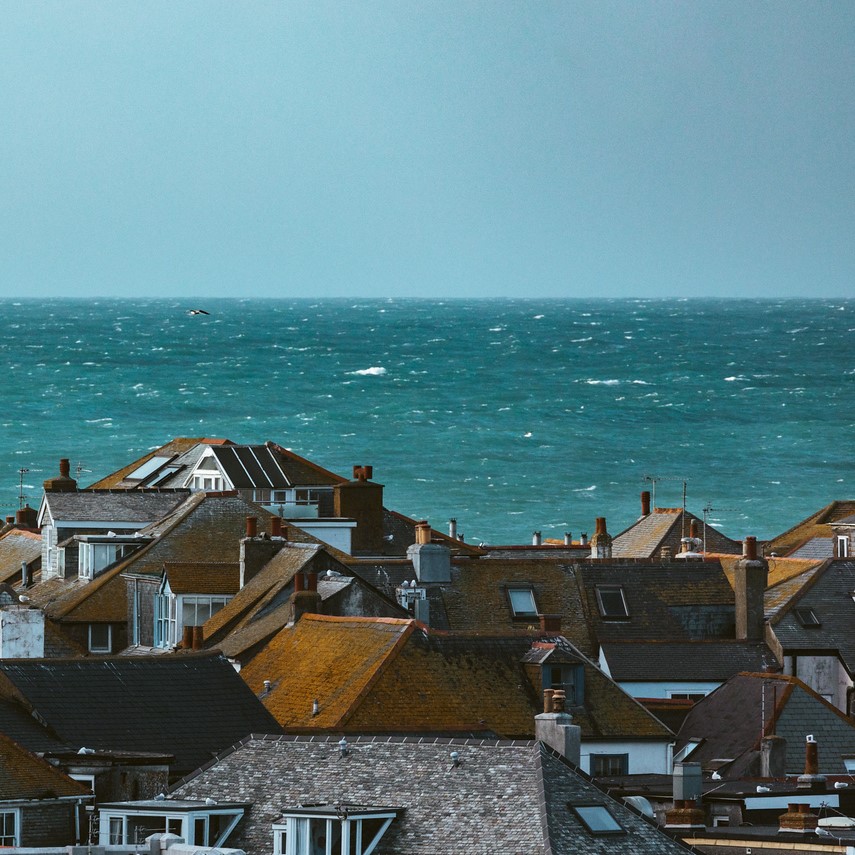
517 590
109 647
114 824
842 545
351 833
195 600
15 814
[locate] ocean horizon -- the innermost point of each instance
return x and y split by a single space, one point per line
510 415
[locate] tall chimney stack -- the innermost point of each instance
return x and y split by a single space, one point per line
64 483
601 542
751 576
645 503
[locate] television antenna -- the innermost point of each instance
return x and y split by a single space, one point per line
21 472
708 509
654 478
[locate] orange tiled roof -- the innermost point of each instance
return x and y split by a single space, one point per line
203 577
26 776
817 525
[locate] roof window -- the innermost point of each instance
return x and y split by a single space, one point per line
596 818
807 617
686 750
522 602
612 602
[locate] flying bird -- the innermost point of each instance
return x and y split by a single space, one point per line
198 312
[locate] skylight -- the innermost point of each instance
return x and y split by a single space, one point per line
151 465
612 602
522 602
597 819
807 617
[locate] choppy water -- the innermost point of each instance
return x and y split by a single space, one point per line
509 415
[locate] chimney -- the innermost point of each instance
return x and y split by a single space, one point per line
10 520
255 552
685 814
687 781
556 729
452 528
27 517
601 542
251 526
187 638
773 757
750 579
665 553
304 602
423 532
431 561
645 503
64 483
798 820
811 779
550 624
583 538
362 500
276 526
536 539
693 529
25 574
568 538
198 638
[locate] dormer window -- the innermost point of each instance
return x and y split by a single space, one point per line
331 830
596 819
842 546
569 678
611 602
522 602
807 617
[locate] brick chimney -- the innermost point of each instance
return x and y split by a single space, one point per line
751 575
256 551
64 483
27 517
798 820
362 500
810 779
601 542
645 503
305 599
555 727
431 561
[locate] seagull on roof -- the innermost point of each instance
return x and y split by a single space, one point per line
197 312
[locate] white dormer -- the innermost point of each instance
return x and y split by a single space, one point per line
206 475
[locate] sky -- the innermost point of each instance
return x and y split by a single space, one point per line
427 149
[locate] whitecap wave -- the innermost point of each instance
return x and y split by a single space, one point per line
374 371
603 382
585 489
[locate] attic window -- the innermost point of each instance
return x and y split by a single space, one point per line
612 602
686 750
597 819
522 602
331 830
807 617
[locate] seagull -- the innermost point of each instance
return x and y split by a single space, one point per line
198 312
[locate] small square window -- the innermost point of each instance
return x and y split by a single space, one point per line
807 617
597 819
612 602
100 638
522 602
606 765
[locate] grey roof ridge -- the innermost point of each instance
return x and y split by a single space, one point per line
309 463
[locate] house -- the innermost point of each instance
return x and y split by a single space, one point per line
813 633
385 675
725 731
661 533
189 705
417 795
20 555
815 536
40 806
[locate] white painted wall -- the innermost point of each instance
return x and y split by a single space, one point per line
334 533
824 674
645 757
663 689
22 633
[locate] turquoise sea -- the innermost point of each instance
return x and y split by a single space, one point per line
509 415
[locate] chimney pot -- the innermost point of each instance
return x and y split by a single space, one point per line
65 468
536 539
311 581
10 520
568 538
558 699
583 538
749 548
452 528
547 700
299 582
693 528
601 525
197 638
645 503
276 526
251 526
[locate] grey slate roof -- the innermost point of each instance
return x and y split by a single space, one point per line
817 547
508 797
113 506
830 594
187 705
686 660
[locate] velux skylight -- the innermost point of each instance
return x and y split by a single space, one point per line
596 818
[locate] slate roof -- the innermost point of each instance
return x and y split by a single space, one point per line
16 547
202 577
172 449
270 466
112 506
686 660
502 797
829 592
817 525
664 527
730 720
395 676
26 776
671 600
818 548
187 705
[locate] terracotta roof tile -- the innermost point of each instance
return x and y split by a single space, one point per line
26 776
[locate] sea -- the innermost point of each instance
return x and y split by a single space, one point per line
510 416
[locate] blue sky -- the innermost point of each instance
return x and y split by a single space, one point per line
550 149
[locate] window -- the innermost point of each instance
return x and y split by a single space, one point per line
807 617
597 819
849 764
350 831
165 620
569 678
612 602
606 765
842 546
116 831
522 602
100 638
9 828
195 610
210 483
687 696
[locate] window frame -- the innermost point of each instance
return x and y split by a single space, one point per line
15 814
576 807
807 617
601 757
606 613
350 821
109 647
512 590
